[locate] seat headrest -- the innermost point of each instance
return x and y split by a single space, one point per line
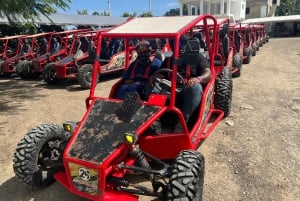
159 55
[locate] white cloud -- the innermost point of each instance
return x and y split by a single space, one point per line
172 4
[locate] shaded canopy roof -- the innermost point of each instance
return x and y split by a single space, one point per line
273 19
154 25
68 19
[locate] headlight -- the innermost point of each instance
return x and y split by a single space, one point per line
69 126
130 138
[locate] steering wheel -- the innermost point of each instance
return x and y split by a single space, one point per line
162 85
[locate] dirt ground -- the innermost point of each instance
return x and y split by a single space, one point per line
254 154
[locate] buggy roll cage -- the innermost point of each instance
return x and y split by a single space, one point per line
203 20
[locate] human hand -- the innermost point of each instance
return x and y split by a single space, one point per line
193 81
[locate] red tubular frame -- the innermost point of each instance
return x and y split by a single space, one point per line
170 143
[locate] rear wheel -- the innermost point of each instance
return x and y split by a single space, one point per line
237 62
20 69
187 177
223 93
38 155
248 53
49 74
85 74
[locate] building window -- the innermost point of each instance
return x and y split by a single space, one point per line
247 10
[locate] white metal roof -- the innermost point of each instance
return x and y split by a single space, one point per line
273 19
154 25
68 19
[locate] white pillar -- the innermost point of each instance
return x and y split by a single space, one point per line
228 6
189 6
222 7
209 11
201 7
181 9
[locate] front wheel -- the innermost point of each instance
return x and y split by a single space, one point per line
237 62
49 74
248 53
187 177
28 70
254 49
38 155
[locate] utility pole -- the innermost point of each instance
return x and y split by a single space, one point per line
109 13
150 9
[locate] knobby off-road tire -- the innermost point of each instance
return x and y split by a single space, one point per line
85 74
38 155
260 43
237 62
257 46
20 70
49 74
28 70
187 177
223 93
254 49
267 39
248 53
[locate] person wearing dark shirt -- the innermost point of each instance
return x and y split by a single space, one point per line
139 71
189 98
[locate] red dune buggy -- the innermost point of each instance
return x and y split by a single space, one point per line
116 141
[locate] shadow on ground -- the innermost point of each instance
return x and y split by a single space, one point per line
13 189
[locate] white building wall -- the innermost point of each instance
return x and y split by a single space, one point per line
237 8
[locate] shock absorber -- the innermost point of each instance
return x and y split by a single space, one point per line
141 160
118 181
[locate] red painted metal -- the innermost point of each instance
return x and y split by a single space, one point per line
162 146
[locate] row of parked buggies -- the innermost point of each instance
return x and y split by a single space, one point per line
99 156
57 56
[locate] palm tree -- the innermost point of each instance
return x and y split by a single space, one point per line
30 9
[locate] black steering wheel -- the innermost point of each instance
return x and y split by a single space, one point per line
162 85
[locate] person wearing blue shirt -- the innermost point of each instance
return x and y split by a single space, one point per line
140 71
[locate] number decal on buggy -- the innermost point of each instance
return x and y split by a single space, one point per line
84 179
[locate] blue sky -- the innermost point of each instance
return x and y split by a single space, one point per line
118 7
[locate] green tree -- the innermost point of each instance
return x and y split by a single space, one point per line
286 7
82 12
296 10
127 14
30 9
105 13
176 11
146 14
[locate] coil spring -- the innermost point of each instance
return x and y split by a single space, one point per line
140 158
118 181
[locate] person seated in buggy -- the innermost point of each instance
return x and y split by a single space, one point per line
139 71
194 71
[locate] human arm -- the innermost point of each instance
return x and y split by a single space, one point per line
203 74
